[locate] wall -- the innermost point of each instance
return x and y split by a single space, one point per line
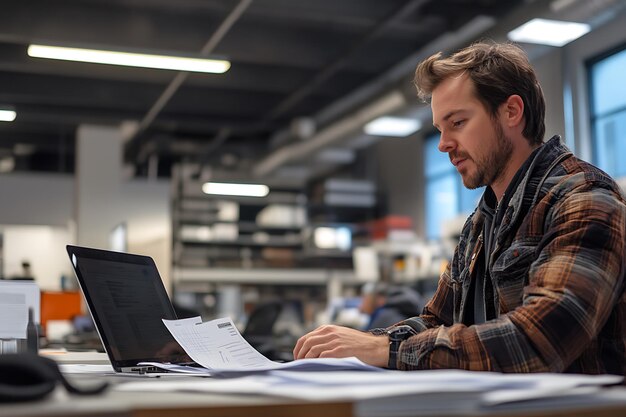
98 180
36 199
400 176
549 69
104 199
145 206
43 247
41 213
36 224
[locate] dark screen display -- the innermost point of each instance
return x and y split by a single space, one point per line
128 301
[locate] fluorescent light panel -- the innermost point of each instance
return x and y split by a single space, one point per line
7 115
392 126
129 59
549 32
7 164
243 190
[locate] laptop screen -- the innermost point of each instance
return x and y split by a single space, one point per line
127 301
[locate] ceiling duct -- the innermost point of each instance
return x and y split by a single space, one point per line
331 134
133 144
343 122
345 127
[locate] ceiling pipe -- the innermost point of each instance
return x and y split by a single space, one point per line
384 104
343 60
389 103
479 27
182 76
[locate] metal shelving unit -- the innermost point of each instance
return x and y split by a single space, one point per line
217 254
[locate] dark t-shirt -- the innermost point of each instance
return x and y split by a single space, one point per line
480 295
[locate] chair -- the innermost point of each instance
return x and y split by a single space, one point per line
259 329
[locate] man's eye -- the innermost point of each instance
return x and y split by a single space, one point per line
458 123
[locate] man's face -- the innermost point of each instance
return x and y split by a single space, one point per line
474 141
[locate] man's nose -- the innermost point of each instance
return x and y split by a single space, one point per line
446 143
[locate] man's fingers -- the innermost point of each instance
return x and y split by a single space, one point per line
318 350
304 342
304 347
340 342
333 353
312 341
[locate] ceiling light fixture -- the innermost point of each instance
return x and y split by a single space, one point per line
129 59
7 164
7 115
549 32
392 126
242 190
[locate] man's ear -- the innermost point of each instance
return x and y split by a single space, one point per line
513 111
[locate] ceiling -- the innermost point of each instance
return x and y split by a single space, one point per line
300 68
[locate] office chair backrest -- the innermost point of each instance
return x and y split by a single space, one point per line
262 319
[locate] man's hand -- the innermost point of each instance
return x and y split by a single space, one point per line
342 342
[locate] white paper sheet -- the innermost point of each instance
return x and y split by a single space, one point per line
396 392
424 388
218 346
547 385
250 384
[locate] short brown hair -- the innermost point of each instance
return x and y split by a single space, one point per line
497 71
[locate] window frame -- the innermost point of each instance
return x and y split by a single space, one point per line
593 115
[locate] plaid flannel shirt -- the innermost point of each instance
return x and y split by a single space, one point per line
558 273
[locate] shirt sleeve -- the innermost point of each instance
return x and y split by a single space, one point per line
573 286
439 310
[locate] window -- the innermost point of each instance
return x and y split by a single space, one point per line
608 112
446 197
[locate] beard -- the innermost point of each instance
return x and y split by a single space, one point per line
490 165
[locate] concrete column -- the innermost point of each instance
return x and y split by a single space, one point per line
98 179
104 198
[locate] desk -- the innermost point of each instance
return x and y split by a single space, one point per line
180 404
611 403
126 404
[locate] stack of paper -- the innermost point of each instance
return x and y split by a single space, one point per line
397 393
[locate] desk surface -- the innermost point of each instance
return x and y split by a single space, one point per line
181 404
611 403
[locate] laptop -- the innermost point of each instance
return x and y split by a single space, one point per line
127 300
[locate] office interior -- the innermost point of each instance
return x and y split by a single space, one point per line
116 158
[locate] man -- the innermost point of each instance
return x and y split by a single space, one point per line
537 280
